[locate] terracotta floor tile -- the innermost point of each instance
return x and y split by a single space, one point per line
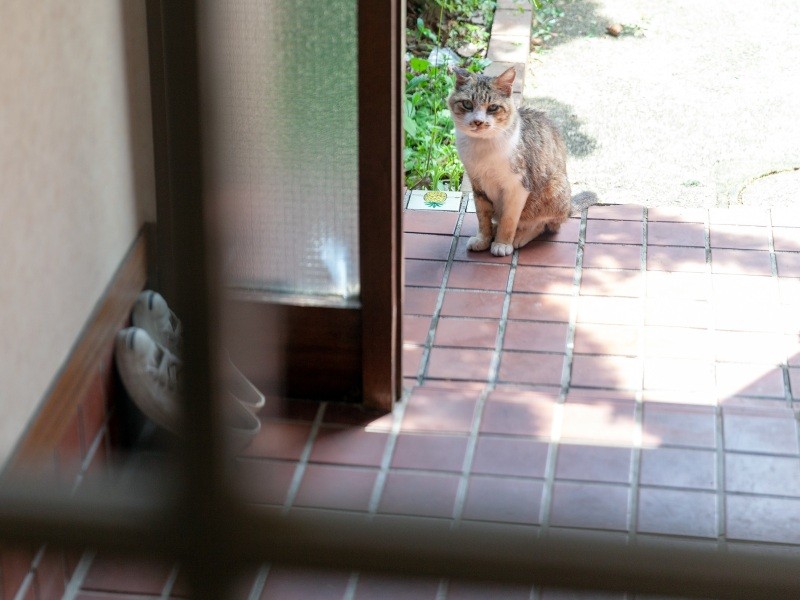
677 214
604 422
593 463
785 216
554 594
509 456
616 212
679 426
472 304
533 336
678 374
419 301
431 410
477 276
609 310
540 307
676 259
304 584
740 314
279 440
263 481
685 286
742 237
678 512
425 273
429 221
678 342
532 418
415 329
738 379
603 282
766 475
484 256
458 590
422 494
773 432
134 576
789 290
613 232
615 372
788 264
411 359
531 367
329 486
469 226
506 499
739 215
755 288
679 468
786 239
343 413
430 452
676 234
543 280
380 587
763 519
466 333
794 382
746 262
349 446
678 313
459 363
612 256
548 254
621 340
427 246
568 232
589 505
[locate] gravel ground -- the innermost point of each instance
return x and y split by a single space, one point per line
695 104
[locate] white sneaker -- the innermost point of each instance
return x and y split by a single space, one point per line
151 313
151 374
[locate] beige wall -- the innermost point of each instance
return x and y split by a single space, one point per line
76 179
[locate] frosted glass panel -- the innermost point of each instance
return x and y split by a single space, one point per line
280 92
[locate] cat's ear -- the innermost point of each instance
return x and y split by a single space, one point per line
505 81
462 76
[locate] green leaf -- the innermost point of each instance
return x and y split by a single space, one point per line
420 65
409 125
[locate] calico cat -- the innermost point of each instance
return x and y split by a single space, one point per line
516 160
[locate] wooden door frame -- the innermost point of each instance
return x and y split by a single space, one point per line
333 353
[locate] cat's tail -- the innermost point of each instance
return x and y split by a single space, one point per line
583 200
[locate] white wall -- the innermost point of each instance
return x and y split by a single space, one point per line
76 179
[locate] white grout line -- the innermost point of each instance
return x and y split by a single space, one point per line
566 378
259 583
352 583
719 423
74 586
636 450
494 368
166 591
302 462
388 453
426 350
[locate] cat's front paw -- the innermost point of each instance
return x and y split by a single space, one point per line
477 243
500 249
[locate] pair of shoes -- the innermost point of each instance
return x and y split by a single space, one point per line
148 360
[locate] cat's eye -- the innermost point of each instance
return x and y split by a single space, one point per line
466 105
493 108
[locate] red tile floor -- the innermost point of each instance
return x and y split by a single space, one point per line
637 373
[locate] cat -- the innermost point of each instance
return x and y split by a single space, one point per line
516 160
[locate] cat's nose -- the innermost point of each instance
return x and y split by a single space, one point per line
477 122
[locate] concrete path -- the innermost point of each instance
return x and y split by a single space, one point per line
691 106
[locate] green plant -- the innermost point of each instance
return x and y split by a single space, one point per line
430 156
